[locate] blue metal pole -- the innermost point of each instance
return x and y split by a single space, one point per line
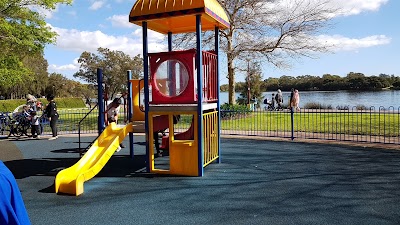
292 121
199 64
216 33
170 41
129 100
171 92
100 102
146 93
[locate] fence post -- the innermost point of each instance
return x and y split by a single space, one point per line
292 122
101 123
129 103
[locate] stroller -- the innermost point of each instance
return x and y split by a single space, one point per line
269 105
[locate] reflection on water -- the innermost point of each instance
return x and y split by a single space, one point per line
376 99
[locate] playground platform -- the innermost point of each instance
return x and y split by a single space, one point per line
258 182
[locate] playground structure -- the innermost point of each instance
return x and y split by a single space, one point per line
183 83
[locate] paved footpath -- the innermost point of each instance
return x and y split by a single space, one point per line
258 182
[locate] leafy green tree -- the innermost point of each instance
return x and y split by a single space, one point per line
114 65
38 75
357 81
271 84
253 85
87 91
23 32
223 87
57 85
332 82
308 82
287 82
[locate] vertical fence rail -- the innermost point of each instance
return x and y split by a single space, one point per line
346 124
371 125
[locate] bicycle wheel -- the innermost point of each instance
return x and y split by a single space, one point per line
27 130
2 127
17 130
3 124
7 125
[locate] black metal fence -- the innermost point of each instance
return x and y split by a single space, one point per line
373 125
381 125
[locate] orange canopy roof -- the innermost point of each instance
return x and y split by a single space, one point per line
178 16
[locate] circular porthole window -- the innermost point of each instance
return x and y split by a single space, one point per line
171 78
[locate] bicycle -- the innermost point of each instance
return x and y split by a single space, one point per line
5 123
20 126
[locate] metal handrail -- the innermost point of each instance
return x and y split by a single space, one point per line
79 131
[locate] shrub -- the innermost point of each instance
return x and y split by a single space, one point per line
10 104
315 105
361 107
342 107
229 111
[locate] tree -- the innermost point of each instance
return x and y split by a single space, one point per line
252 85
38 75
114 65
270 84
56 85
332 82
286 82
357 81
275 31
23 32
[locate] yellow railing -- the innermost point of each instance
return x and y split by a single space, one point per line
210 122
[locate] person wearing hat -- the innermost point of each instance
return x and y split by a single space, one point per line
52 115
112 114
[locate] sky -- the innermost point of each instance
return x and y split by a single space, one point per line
366 38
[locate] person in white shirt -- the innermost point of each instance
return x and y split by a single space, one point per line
112 114
113 110
35 125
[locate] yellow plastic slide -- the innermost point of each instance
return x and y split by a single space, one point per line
70 180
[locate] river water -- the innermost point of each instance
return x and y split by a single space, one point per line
386 98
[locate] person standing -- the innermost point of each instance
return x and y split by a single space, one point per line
35 125
52 115
291 99
296 100
31 101
279 99
273 102
112 114
89 103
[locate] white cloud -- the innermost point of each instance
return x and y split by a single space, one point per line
354 7
120 21
341 43
69 67
48 14
343 7
97 5
80 41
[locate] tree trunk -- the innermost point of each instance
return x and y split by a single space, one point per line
231 73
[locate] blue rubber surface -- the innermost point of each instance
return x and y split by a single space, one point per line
258 182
